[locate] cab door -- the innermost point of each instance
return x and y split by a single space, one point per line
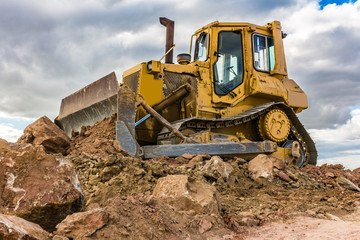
227 65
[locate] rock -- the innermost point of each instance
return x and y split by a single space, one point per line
117 146
283 176
46 133
278 163
216 168
3 144
108 172
346 183
204 155
12 227
330 174
261 167
332 217
293 176
82 224
204 226
57 237
239 161
185 195
188 155
37 186
194 162
241 221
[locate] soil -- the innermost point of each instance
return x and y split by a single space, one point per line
311 202
305 227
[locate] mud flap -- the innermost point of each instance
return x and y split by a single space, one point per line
125 124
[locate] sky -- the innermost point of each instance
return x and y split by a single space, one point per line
50 49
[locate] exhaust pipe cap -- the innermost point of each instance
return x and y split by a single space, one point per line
183 58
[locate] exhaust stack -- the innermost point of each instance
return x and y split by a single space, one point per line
170 25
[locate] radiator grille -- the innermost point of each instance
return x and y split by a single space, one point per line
174 80
132 81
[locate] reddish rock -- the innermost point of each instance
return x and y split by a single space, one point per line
278 163
3 143
216 168
186 195
36 186
188 155
204 155
195 162
46 133
82 224
283 176
12 227
261 167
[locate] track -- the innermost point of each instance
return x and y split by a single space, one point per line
299 132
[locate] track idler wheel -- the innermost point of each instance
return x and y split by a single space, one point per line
274 125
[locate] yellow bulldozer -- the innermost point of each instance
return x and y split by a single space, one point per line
232 97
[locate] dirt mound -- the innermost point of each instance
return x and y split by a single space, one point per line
106 172
147 217
246 196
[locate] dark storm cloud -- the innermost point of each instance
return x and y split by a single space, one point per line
329 75
45 57
49 52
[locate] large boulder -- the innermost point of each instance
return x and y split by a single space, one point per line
12 227
37 186
82 224
186 195
46 133
261 167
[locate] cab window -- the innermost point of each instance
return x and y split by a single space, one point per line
229 68
201 47
264 55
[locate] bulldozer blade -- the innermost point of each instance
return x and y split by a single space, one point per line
88 105
125 124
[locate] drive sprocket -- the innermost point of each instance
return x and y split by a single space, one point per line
274 125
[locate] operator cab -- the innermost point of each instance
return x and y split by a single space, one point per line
222 46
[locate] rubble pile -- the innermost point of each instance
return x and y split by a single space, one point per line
333 175
90 189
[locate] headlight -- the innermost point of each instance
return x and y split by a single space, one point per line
153 66
149 66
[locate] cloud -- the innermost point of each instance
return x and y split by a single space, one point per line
348 133
9 133
323 56
340 144
50 49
